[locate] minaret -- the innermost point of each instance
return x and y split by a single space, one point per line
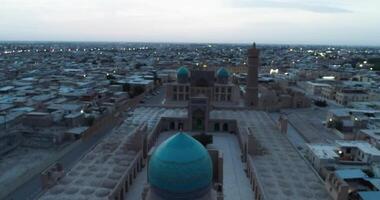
251 95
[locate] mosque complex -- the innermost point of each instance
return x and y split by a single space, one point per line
155 154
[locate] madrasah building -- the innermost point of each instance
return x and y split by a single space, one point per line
156 153
221 92
216 86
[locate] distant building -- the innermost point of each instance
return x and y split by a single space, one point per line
370 135
355 154
352 184
216 86
316 88
346 96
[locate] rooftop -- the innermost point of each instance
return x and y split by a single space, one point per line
324 151
362 145
97 174
374 133
369 195
282 173
350 173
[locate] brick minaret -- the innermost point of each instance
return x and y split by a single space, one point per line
251 95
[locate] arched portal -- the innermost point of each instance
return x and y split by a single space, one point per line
216 127
225 127
198 120
172 126
180 126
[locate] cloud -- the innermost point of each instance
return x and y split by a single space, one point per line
318 6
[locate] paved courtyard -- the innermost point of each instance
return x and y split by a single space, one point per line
236 183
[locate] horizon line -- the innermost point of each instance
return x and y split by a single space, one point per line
168 42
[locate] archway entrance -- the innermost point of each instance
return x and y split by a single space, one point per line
180 126
225 127
172 126
216 127
198 120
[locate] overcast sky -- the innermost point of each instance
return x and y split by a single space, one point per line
351 22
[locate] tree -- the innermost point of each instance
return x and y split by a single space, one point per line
110 76
137 90
126 87
204 139
90 120
320 103
338 125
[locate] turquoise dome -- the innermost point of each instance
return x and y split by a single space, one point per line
183 72
222 73
180 165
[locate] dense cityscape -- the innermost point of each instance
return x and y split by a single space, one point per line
189 100
93 120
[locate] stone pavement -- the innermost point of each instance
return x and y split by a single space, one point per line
236 184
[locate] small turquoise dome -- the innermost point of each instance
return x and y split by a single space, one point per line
180 165
222 73
183 72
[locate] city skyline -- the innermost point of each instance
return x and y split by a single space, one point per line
217 21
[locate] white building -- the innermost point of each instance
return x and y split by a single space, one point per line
342 153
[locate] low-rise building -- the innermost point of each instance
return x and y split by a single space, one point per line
342 154
346 96
314 88
370 135
352 184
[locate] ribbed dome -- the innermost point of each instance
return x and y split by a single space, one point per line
183 72
180 165
222 73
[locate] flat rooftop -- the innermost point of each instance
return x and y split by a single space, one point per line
362 145
97 174
350 173
374 133
282 173
324 151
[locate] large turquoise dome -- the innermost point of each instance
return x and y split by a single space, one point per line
180 165
183 72
222 73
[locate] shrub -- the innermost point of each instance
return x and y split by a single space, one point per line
320 103
203 138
